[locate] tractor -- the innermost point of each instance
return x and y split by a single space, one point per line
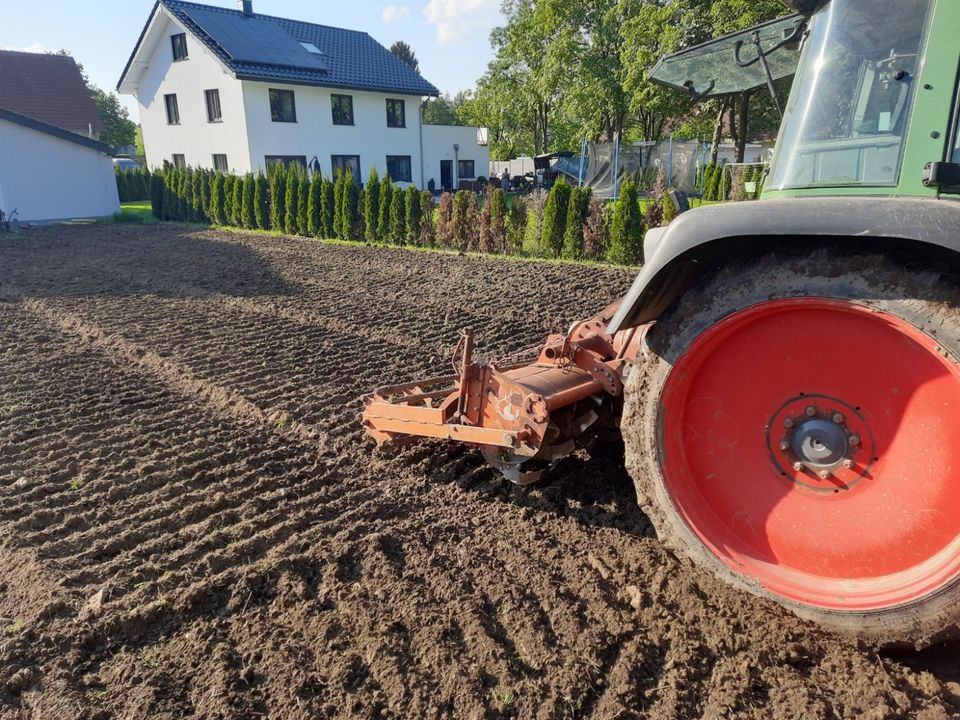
785 373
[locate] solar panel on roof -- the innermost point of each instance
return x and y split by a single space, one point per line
255 40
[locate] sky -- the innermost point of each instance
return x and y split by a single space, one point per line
451 38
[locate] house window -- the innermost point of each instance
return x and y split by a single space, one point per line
179 43
342 109
220 163
179 162
396 113
465 169
399 168
285 160
346 163
283 106
173 110
214 114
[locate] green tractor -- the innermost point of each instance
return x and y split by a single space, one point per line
786 373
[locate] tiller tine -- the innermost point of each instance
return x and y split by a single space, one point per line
524 416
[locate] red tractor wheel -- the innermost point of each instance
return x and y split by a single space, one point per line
796 430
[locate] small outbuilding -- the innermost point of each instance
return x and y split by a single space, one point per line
53 166
48 173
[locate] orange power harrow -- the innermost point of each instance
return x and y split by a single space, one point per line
523 416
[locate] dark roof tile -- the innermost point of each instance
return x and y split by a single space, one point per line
48 88
355 59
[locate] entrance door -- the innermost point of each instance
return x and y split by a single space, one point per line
446 174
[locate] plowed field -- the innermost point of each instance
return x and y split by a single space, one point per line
192 523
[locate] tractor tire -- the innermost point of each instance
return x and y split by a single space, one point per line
793 426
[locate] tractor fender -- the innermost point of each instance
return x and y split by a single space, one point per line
704 239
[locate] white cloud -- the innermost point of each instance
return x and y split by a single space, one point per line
456 18
35 47
395 13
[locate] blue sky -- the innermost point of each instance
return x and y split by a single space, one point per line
450 37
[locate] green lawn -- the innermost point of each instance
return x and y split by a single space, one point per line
135 212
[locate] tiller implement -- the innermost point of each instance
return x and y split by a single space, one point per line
524 416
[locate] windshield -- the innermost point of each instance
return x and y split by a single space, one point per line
850 106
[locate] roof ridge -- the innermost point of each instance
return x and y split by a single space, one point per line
262 16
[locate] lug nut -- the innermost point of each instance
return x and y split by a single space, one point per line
784 445
839 418
824 474
854 440
810 411
848 464
798 466
788 423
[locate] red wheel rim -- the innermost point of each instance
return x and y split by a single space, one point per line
884 528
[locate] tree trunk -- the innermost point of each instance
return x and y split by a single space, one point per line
744 115
717 133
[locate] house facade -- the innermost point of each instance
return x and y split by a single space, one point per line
236 91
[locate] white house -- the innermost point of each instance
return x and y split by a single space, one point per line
49 173
236 91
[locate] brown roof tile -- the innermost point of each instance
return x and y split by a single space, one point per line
48 88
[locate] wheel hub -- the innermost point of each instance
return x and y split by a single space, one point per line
820 443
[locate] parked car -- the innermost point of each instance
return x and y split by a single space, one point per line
125 163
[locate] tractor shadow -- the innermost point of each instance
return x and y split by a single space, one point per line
942 660
591 487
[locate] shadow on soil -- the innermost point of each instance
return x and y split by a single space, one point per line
594 489
125 259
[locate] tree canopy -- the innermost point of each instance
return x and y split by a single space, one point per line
568 70
120 130
403 51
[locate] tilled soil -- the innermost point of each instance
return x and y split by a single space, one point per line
192 523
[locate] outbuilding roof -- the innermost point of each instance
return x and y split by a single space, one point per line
58 132
271 49
48 88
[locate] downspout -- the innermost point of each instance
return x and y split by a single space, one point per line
423 184
456 167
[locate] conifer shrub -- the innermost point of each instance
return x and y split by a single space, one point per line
626 229
315 206
412 208
327 208
371 206
261 211
577 208
398 229
555 217
383 213
428 233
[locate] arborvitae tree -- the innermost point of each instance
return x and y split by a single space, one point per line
483 232
207 194
291 199
186 195
237 201
555 217
428 236
156 195
445 229
497 201
461 233
594 235
576 216
383 217
473 222
169 198
371 205
278 186
303 206
196 197
261 209
314 202
228 182
516 225
248 212
216 199
626 230
348 207
398 225
412 208
328 208
726 178
338 189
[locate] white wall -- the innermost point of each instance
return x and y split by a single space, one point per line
46 178
438 144
315 135
195 138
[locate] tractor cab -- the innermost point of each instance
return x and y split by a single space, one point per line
873 98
